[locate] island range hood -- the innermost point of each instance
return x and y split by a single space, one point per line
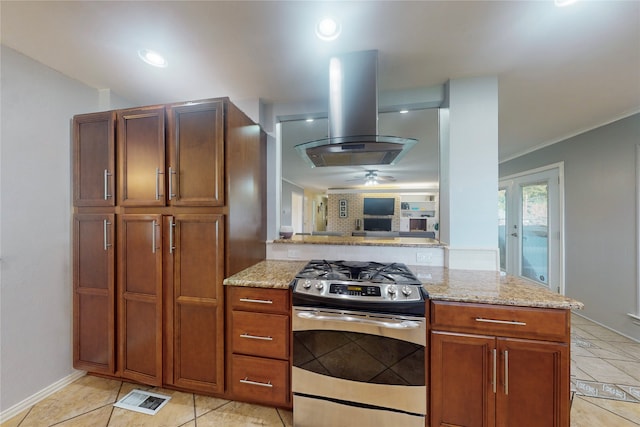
353 118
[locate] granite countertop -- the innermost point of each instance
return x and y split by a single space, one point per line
488 287
360 241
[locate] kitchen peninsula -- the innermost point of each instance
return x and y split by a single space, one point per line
502 340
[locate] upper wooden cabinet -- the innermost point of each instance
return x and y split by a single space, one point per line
94 159
195 171
141 157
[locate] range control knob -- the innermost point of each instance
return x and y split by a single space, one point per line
306 284
319 286
406 290
392 289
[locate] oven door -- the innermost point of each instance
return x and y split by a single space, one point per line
351 365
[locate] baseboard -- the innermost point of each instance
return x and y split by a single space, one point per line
39 396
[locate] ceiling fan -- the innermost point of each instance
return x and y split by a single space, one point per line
372 178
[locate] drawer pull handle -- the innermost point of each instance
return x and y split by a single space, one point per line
502 322
246 380
257 301
256 337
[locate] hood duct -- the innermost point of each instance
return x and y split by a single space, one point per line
353 118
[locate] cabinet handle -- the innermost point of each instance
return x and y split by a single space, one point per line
256 337
502 322
106 184
172 226
105 224
171 193
257 301
495 367
506 372
154 224
246 380
158 173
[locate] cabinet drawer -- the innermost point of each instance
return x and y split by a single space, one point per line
507 321
259 299
260 334
260 380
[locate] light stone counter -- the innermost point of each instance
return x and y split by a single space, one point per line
267 274
442 284
361 241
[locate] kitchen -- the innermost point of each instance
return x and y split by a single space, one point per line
40 88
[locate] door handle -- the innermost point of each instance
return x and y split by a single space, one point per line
106 184
506 372
105 224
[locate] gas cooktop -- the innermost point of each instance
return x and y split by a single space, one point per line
355 285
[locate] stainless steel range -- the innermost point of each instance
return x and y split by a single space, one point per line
359 345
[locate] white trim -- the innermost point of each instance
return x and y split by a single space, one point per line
559 166
637 230
39 396
568 136
605 326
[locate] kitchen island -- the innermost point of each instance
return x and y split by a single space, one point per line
499 345
472 286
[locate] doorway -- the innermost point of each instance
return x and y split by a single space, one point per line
530 226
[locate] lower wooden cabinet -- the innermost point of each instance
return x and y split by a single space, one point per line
93 293
499 366
258 342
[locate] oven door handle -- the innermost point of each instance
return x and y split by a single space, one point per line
390 323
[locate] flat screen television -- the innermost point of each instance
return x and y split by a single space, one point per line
377 224
379 206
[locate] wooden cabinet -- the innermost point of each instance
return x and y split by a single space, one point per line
194 321
94 159
140 297
258 342
141 157
499 365
195 173
93 292
178 193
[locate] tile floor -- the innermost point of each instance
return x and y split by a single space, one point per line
605 378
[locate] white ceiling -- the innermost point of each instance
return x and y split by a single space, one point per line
561 71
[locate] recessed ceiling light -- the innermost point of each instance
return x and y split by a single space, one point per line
563 3
309 120
152 58
403 111
328 29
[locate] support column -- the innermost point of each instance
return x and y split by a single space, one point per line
469 173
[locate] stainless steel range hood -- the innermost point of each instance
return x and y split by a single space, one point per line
353 118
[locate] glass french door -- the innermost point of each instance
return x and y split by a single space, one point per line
530 227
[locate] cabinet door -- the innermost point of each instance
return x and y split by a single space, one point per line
196 315
94 159
140 298
463 379
534 383
196 154
93 297
141 157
